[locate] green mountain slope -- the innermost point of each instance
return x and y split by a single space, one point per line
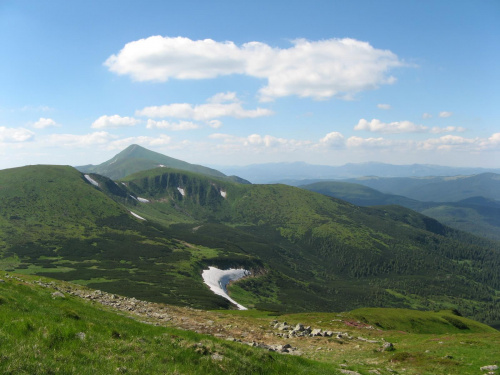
306 251
136 158
476 215
326 249
51 326
53 221
46 334
361 195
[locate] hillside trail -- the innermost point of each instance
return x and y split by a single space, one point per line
264 332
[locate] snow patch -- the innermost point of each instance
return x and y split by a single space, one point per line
114 161
131 196
223 193
181 190
143 200
91 180
217 281
137 216
162 166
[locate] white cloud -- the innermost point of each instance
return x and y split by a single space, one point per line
15 134
145 141
216 124
445 114
449 142
216 108
398 127
448 129
426 115
371 143
102 139
174 126
223 97
257 141
80 140
114 121
43 123
316 69
378 126
384 106
333 139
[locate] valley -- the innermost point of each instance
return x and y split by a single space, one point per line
151 234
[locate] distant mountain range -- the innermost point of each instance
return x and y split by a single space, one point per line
477 214
292 173
437 189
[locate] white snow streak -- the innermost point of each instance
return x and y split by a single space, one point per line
181 190
91 180
223 193
217 281
137 216
143 200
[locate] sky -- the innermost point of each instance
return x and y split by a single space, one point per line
226 83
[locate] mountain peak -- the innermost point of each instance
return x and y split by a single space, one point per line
136 158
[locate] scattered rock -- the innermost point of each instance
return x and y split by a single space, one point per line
349 372
58 295
316 332
81 335
299 327
217 357
489 368
387 347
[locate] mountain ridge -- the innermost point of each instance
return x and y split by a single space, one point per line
306 251
136 158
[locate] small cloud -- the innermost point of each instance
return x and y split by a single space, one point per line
333 139
378 126
384 106
445 114
448 129
174 126
43 123
258 142
426 116
372 143
15 134
120 144
223 97
216 124
219 105
114 121
77 140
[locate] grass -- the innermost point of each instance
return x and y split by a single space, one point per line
43 335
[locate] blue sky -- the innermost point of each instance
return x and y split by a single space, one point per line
237 83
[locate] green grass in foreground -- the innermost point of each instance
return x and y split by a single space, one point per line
43 335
